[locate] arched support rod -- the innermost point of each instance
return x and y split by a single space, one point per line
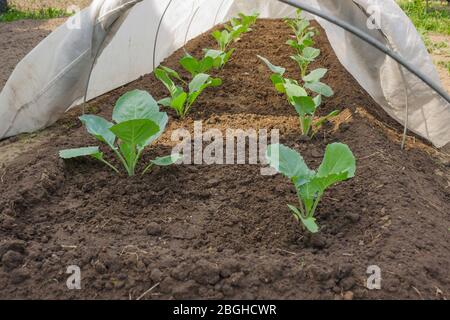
157 33
217 12
373 42
189 26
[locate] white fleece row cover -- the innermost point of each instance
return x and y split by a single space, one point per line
120 36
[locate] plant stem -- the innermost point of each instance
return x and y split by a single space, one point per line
147 168
302 207
137 159
303 70
308 128
110 165
305 125
188 107
124 162
301 125
316 202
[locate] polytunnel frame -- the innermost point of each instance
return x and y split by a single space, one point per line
155 43
381 47
374 43
342 24
348 27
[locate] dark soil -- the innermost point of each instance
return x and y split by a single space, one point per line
224 231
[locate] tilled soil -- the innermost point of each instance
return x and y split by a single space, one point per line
18 38
441 57
224 231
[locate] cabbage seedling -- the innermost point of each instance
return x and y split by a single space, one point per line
303 31
180 100
304 59
305 105
220 58
195 66
137 122
234 30
225 37
243 20
304 34
338 165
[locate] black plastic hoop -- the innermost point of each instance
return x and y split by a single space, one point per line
373 42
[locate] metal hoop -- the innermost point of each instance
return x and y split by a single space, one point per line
157 33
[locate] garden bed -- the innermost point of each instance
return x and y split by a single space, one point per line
224 231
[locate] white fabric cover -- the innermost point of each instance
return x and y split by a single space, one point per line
53 77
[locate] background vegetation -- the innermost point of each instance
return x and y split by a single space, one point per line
436 18
13 14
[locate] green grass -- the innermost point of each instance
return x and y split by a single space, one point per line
445 64
436 19
13 14
433 47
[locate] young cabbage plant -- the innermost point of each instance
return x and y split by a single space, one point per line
305 58
180 100
234 30
225 37
303 31
137 122
298 96
304 40
220 58
338 165
243 20
195 66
